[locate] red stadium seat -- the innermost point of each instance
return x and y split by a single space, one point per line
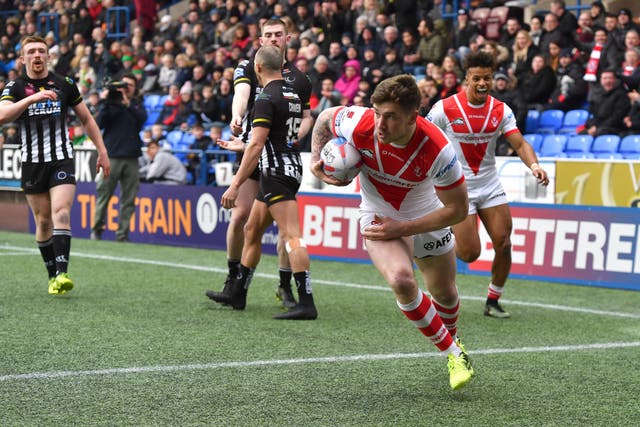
480 16
496 20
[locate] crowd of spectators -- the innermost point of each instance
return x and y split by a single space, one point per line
558 59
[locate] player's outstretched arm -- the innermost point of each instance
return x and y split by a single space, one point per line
525 151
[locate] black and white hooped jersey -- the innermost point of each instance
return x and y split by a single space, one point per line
279 108
245 73
42 128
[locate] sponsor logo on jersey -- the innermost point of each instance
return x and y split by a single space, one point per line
447 167
29 90
494 121
289 79
44 108
366 152
338 118
458 121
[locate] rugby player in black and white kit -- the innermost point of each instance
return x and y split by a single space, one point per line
38 103
246 88
276 120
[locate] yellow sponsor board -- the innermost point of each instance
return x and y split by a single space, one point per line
598 183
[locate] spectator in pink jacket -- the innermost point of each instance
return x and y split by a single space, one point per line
347 83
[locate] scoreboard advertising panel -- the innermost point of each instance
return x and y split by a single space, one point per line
595 246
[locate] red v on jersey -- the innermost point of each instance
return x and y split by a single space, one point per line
392 194
474 153
481 122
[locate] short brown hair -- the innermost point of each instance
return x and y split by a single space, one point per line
32 39
401 90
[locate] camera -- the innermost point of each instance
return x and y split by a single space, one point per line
114 96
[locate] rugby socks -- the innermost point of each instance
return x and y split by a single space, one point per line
48 256
244 276
61 249
234 267
303 285
494 292
423 315
285 277
449 315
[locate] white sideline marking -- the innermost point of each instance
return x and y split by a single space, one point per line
328 282
356 358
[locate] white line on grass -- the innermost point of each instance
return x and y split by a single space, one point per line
327 282
275 362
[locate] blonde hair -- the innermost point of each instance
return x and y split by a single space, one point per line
520 54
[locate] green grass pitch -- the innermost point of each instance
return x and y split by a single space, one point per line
137 343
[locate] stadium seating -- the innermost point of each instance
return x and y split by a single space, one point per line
553 146
606 147
174 138
550 121
533 119
496 20
573 119
630 147
579 147
535 139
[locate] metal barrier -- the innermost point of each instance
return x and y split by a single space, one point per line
119 17
50 22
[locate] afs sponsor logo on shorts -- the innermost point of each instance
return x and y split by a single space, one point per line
437 244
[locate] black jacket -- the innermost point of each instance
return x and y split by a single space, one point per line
121 126
608 109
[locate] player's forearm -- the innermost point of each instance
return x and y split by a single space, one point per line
94 134
306 124
321 133
248 164
10 111
240 100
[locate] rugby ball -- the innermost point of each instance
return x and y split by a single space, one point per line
341 159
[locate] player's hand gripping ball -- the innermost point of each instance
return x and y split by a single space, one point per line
341 159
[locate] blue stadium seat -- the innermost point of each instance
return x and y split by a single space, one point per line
573 119
535 139
151 102
630 147
553 146
579 147
550 121
533 119
606 147
152 116
174 137
188 139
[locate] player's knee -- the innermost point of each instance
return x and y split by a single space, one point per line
467 254
402 282
503 248
294 243
61 217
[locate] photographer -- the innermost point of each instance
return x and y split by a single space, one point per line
121 117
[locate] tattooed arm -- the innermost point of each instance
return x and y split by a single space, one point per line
321 134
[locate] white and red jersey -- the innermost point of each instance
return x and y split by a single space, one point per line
474 130
399 182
